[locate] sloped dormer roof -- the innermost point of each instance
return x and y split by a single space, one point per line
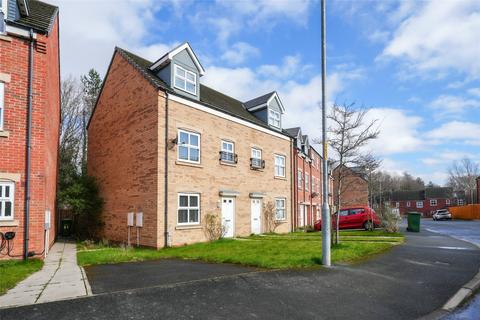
166 58
263 101
293 132
37 15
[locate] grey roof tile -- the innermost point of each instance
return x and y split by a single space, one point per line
41 16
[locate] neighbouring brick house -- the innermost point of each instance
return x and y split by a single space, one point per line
28 27
478 190
307 178
164 145
354 188
426 201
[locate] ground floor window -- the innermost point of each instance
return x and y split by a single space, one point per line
188 208
280 209
7 191
419 204
433 202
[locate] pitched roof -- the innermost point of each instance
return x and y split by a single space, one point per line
438 192
259 100
292 132
41 16
208 96
407 195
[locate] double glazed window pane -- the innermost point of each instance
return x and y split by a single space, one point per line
188 146
6 201
188 210
185 80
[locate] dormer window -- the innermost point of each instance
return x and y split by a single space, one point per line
3 15
185 80
274 118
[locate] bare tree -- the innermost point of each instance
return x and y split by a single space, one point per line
348 133
270 216
70 128
462 176
369 164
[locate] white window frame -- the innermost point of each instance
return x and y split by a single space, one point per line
257 154
460 202
408 204
189 146
188 208
419 204
280 166
300 179
274 118
10 198
2 104
4 9
397 204
226 142
307 182
447 201
284 209
433 202
185 79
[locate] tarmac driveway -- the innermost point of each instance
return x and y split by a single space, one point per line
409 281
123 276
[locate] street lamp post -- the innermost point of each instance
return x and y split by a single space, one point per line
326 261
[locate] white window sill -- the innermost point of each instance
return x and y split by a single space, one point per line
189 164
228 163
280 178
281 221
5 38
4 134
9 223
188 227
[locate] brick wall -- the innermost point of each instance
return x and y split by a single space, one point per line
45 128
123 148
354 189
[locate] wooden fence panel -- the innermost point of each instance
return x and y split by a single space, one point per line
468 212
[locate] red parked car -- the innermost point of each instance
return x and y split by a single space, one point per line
354 218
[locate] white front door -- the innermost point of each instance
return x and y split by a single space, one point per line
228 216
301 216
256 208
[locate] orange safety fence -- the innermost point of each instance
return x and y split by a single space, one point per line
468 212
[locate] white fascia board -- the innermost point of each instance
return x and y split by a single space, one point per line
275 95
24 33
258 107
174 52
220 114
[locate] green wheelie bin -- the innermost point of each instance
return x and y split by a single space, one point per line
414 221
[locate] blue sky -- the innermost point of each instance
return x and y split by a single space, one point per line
415 63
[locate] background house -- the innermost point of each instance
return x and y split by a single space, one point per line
28 182
354 188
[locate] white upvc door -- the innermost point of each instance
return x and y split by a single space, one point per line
301 216
228 216
256 208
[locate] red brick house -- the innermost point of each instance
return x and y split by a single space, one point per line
307 179
29 125
478 190
426 201
354 189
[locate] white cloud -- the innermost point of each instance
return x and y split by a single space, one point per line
463 132
89 42
439 37
448 105
239 52
447 157
474 92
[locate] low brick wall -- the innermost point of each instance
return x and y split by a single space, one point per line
468 212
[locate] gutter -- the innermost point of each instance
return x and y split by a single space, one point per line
166 233
28 151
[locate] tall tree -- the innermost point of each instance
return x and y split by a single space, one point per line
369 164
70 131
462 176
348 133
92 83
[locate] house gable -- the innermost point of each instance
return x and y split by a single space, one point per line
266 106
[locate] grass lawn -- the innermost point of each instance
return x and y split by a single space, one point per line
14 271
293 250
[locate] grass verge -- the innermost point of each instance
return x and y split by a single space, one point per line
294 250
14 271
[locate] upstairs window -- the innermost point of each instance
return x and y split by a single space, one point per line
7 191
274 118
300 179
256 160
185 80
227 152
188 146
433 202
419 204
460 202
279 166
2 103
307 181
